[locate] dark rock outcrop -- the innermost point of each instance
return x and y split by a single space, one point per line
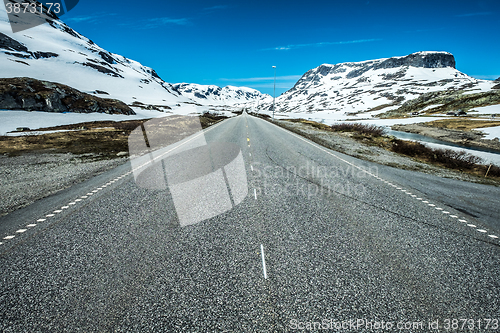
107 57
496 86
420 59
102 69
35 95
10 44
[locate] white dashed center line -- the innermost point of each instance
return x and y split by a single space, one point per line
264 270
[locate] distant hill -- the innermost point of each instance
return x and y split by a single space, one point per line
214 95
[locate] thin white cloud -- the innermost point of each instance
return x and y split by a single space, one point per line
296 46
218 7
90 18
162 21
475 14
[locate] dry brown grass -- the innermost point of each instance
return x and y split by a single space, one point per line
462 124
440 157
105 138
311 123
104 141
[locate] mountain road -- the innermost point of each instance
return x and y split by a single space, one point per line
319 240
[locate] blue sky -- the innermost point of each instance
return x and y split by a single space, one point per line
238 42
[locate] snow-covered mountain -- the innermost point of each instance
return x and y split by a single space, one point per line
55 52
214 95
375 86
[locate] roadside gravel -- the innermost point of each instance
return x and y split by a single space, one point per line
33 176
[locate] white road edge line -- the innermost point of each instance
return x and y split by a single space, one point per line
264 270
100 188
255 193
355 166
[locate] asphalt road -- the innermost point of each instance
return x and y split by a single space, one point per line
347 244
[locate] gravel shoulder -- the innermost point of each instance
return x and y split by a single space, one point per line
32 176
342 142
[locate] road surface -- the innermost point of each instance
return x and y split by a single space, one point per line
320 238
